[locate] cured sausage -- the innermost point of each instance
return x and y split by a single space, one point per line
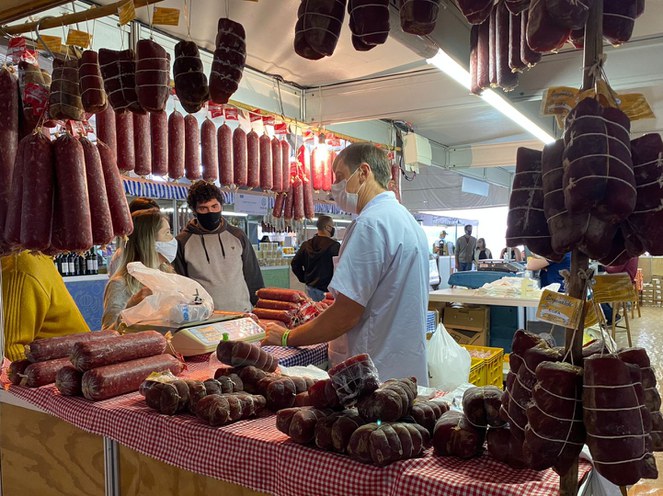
475 89
159 141
309 205
316 173
102 223
142 145
175 145
209 151
37 193
118 68
543 33
126 153
515 62
9 128
483 56
225 150
34 89
289 208
191 148
12 232
285 162
240 157
419 16
68 380
266 173
529 57
277 305
117 201
277 211
65 99
280 294
229 60
328 172
298 199
506 79
121 378
71 193
240 353
93 95
42 373
115 349
253 159
492 48
152 75
106 132
190 79
277 165
16 370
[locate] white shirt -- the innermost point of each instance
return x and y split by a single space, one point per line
383 266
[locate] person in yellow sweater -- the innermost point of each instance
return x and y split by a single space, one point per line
35 302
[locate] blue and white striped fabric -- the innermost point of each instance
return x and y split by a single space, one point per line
155 189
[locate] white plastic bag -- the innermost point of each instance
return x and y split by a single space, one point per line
175 299
448 362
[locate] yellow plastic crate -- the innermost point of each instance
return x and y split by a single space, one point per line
476 371
491 366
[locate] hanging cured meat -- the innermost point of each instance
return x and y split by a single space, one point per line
142 144
105 122
229 60
318 158
543 33
102 222
475 11
506 78
152 75
209 151
190 79
277 165
515 61
34 85
118 68
419 16
240 159
528 56
619 19
12 232
266 173
159 141
225 150
318 27
369 22
289 207
124 128
9 128
253 160
93 94
309 205
483 58
570 14
37 193
65 99
191 148
117 200
176 145
517 6
285 162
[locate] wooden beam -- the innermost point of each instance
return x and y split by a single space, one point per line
13 10
67 19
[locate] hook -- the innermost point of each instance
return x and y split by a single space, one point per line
37 27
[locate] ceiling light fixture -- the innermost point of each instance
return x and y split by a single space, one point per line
459 74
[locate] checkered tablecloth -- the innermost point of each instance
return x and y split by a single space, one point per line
252 453
288 357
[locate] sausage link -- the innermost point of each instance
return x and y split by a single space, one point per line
240 157
124 129
298 199
328 172
106 132
12 231
492 48
483 56
225 149
117 200
68 380
277 165
142 144
474 60
209 151
102 223
41 350
515 62
9 129
191 148
279 203
37 193
285 162
529 57
115 349
16 370
305 159
176 145
289 208
93 95
253 159
71 194
506 79
266 173
159 141
42 373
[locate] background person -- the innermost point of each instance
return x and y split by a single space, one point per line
151 243
442 247
511 254
481 252
380 283
313 263
217 255
549 270
465 246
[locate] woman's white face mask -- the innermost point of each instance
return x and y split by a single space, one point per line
168 249
346 201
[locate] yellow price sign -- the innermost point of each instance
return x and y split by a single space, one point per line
612 288
126 12
165 16
559 309
49 42
78 38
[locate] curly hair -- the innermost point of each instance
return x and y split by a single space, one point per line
201 192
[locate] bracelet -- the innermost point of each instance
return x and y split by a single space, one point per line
284 338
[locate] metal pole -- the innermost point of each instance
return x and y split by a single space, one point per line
111 468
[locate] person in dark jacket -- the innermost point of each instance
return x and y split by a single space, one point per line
313 264
217 255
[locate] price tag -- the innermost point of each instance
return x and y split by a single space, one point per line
231 114
559 309
281 128
609 288
52 43
215 109
165 16
79 38
268 120
126 12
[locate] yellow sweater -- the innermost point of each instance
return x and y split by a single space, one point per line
35 302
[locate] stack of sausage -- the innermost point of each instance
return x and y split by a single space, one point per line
509 36
287 307
97 365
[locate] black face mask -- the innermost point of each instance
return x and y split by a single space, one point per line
332 232
210 220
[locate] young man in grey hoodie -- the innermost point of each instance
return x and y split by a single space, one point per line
217 255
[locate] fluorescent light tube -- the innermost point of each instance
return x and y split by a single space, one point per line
459 74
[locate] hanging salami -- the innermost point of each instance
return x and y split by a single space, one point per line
175 145
106 132
9 129
253 160
126 153
37 193
240 158
266 173
159 142
102 223
191 148
152 75
277 165
117 200
142 144
225 149
209 151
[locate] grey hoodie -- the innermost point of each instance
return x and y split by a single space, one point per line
223 262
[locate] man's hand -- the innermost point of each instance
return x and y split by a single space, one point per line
273 334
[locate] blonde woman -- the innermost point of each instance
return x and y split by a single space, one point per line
151 243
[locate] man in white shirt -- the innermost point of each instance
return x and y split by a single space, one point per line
380 283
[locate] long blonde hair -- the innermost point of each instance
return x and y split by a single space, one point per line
141 245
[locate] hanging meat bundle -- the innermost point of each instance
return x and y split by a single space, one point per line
93 94
544 34
118 68
35 85
190 80
369 23
9 128
619 19
152 75
318 27
419 16
65 99
229 60
475 11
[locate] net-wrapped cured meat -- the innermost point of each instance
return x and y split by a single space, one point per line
354 377
526 221
318 27
102 222
455 436
65 99
390 402
503 446
598 173
481 406
619 19
176 151
299 423
385 443
555 434
222 409
543 33
37 193
240 353
118 68
617 421
369 21
117 200
159 142
229 60
93 94
571 14
190 80
152 75
419 16
224 137
476 11
427 413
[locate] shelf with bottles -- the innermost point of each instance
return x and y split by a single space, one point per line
80 264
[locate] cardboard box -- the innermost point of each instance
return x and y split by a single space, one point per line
467 318
463 336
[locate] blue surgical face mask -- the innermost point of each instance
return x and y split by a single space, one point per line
346 201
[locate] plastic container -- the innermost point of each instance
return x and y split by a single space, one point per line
491 372
476 371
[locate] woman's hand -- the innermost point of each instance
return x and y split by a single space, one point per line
273 334
138 297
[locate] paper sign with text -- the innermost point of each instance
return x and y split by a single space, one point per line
560 309
126 12
610 288
164 16
79 38
53 43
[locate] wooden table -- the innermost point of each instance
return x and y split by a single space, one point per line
470 296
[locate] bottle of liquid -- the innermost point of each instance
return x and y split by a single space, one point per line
72 265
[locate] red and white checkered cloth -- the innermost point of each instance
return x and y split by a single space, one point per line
315 354
252 453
